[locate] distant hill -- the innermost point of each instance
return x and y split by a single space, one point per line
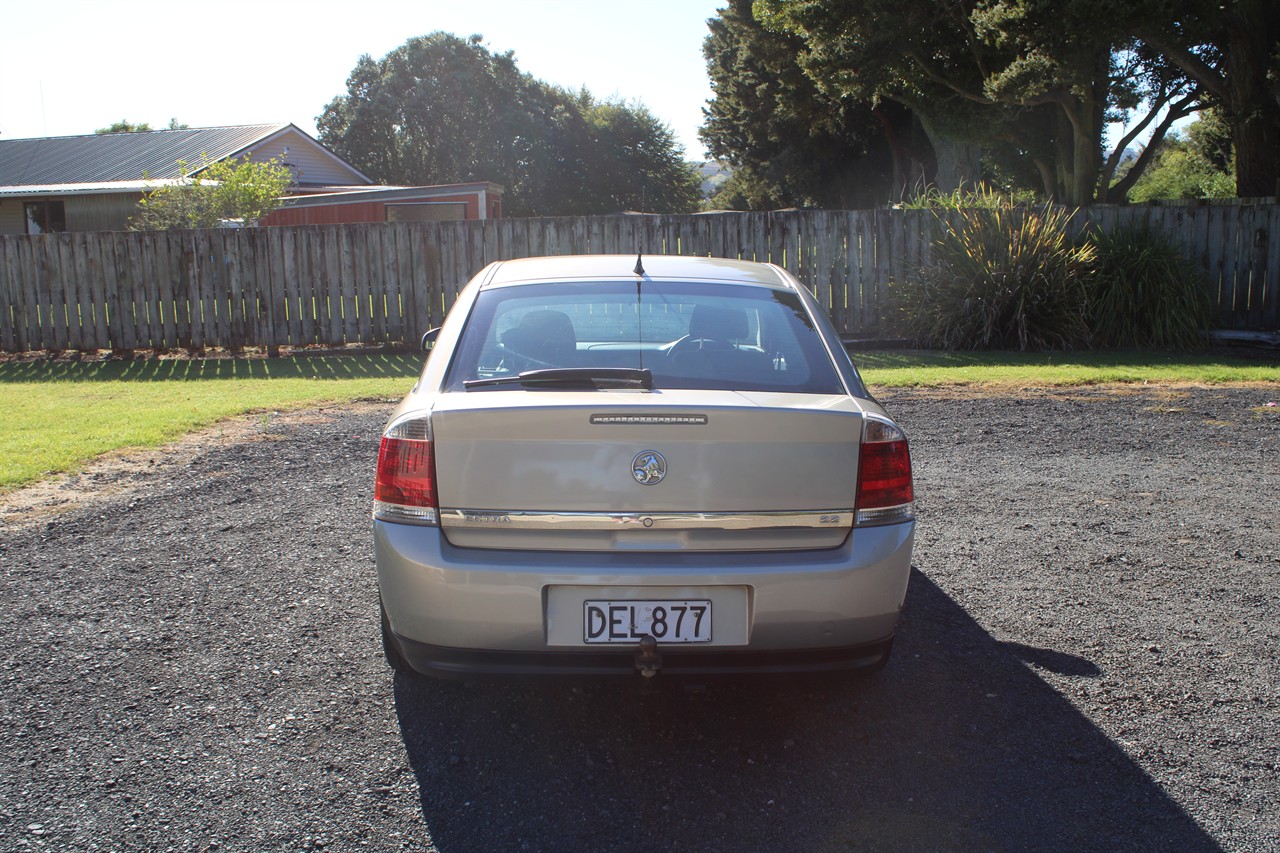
713 175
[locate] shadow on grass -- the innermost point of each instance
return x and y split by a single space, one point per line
364 366
958 745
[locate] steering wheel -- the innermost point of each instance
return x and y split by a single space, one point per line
691 344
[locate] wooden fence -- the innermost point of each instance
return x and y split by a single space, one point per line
377 283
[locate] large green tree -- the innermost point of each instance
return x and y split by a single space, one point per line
789 142
630 160
866 52
1022 80
1231 48
442 109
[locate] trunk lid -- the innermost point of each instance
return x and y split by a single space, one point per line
549 469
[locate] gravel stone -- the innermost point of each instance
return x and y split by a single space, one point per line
1087 660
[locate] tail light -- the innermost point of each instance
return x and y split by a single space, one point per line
884 474
405 486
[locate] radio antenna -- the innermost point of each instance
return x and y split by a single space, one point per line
639 271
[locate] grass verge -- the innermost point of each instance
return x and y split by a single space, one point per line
914 368
58 415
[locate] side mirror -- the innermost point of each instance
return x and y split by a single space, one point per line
429 338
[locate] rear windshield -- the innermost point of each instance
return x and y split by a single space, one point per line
689 334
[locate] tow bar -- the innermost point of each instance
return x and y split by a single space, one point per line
647 659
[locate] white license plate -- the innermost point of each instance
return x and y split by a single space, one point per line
667 621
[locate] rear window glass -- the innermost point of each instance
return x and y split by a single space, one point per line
689 334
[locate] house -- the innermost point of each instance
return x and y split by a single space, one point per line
93 183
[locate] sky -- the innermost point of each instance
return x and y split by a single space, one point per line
68 67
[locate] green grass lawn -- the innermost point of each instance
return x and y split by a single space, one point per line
58 415
899 368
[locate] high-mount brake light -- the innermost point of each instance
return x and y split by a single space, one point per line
405 484
885 489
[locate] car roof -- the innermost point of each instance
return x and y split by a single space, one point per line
614 267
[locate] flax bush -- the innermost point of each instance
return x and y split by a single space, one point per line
1144 294
1001 277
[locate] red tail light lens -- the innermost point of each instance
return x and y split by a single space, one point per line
885 489
405 484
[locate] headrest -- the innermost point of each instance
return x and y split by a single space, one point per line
718 324
544 335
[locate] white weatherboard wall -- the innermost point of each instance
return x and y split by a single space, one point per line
315 165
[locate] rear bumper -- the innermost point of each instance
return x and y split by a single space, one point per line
471 611
478 664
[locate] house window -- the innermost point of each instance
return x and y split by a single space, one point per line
45 216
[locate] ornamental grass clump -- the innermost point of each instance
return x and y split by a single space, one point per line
961 198
1005 277
1145 294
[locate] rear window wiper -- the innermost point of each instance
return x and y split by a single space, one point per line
574 377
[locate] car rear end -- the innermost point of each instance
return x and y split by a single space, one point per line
607 471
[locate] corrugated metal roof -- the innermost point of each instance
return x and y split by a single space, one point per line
120 156
101 188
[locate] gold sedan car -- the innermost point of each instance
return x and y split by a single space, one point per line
613 465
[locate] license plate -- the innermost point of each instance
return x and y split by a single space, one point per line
667 621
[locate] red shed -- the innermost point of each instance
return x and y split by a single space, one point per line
479 200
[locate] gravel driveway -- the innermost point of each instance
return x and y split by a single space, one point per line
1087 661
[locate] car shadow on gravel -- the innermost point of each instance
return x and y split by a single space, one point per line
957 745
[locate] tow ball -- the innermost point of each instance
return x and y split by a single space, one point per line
648 661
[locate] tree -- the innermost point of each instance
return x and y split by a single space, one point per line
441 109
1157 83
744 189
213 193
126 126
1231 48
1017 79
123 126
632 162
789 143
1210 136
438 109
1197 165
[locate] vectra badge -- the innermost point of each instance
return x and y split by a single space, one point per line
648 467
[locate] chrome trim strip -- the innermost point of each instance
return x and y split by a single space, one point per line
650 420
474 519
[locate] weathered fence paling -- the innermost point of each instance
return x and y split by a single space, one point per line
384 283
